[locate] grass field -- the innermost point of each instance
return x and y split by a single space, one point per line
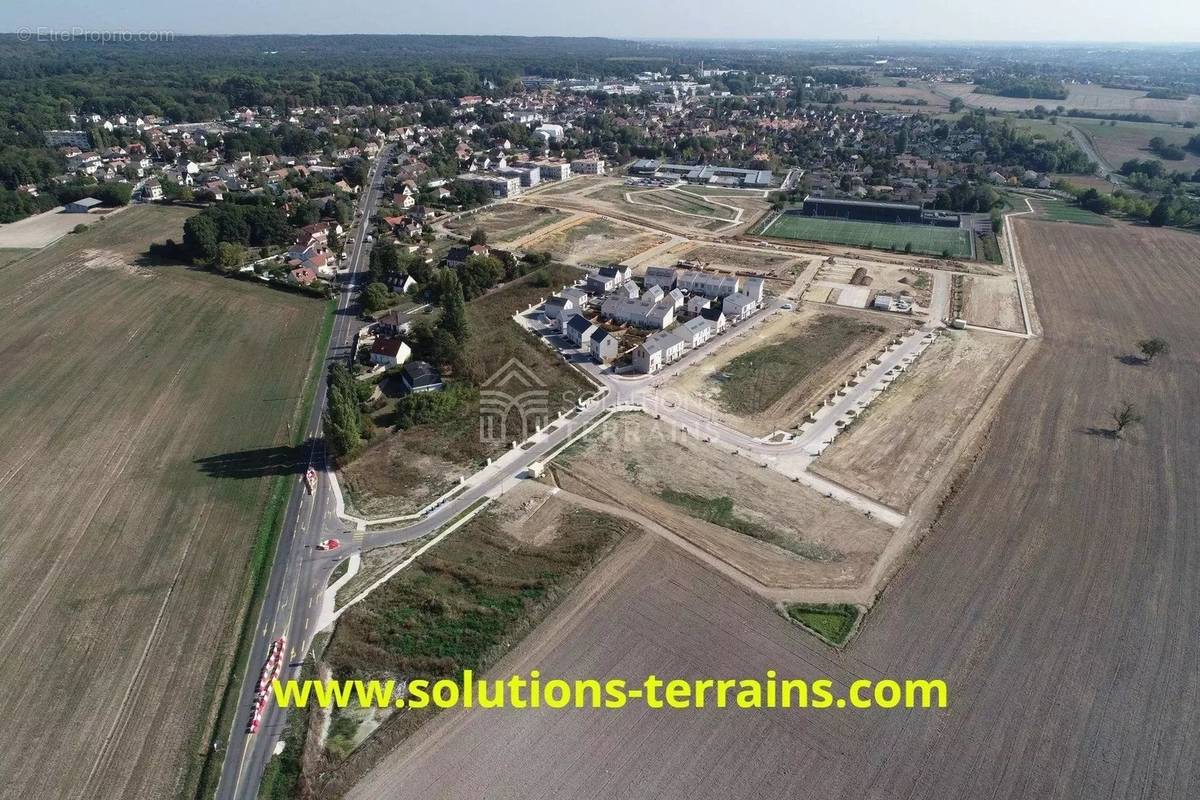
687 203
926 239
755 381
125 563
1118 143
831 622
1062 211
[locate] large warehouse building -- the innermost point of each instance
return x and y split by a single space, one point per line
874 211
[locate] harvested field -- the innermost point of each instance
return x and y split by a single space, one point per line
10 255
145 415
781 368
1090 97
402 471
1056 596
992 302
597 241
928 239
779 532
507 222
891 452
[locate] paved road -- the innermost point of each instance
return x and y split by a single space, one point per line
300 571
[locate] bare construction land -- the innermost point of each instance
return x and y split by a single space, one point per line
145 412
992 303
780 533
891 452
596 241
1056 596
770 377
507 222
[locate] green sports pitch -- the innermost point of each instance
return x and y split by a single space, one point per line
928 239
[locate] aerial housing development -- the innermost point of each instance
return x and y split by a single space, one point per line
463 416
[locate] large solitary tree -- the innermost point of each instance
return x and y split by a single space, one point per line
1155 346
1123 416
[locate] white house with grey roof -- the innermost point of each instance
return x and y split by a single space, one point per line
558 307
754 287
604 346
738 307
695 332
645 312
661 276
578 329
709 284
657 351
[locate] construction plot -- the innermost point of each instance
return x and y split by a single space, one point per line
768 378
1056 596
781 533
44 229
597 241
507 222
992 303
855 283
891 451
144 426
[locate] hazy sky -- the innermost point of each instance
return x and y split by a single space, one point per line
1011 20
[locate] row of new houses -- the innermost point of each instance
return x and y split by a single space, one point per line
656 308
508 180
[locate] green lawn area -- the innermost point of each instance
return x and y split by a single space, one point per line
753 381
719 511
832 622
928 239
1062 211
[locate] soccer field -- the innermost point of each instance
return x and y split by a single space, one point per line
922 238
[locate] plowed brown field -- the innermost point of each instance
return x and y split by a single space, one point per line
124 547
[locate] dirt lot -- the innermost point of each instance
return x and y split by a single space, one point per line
10 255
992 302
46 228
597 241
745 260
782 534
893 449
700 387
885 279
672 209
123 551
1056 596
507 222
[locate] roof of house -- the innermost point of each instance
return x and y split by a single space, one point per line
418 374
663 340
697 324
580 324
86 202
386 347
